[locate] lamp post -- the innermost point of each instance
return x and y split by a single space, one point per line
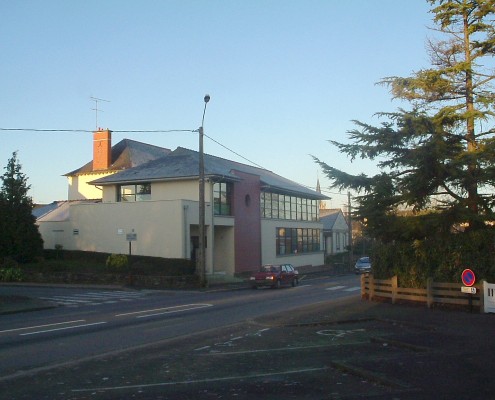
202 247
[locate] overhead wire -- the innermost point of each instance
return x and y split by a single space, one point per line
155 131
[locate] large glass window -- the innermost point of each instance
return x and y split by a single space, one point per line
297 240
139 192
222 198
280 206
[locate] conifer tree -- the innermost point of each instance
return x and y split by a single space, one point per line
439 154
19 237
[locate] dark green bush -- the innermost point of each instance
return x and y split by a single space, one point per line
86 261
443 258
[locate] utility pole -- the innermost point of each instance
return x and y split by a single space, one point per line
349 218
202 248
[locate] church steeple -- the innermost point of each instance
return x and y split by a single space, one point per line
321 203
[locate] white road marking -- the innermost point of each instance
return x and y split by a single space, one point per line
166 310
61 329
208 380
95 298
26 328
353 289
335 288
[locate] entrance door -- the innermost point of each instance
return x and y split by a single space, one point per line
194 248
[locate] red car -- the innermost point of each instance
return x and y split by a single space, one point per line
275 276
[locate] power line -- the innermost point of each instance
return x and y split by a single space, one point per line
155 131
44 130
232 151
91 131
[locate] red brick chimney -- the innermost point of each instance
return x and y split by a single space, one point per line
102 149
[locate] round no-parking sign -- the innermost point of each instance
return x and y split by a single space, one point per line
468 277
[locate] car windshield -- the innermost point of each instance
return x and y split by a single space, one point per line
364 260
270 268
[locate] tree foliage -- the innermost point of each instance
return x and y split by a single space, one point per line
437 158
19 236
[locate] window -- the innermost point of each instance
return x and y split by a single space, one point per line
222 198
280 206
297 240
139 192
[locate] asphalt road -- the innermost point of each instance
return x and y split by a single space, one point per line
338 348
89 322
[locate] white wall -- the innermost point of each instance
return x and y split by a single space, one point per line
103 227
79 189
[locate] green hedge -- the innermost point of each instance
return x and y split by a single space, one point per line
443 258
94 262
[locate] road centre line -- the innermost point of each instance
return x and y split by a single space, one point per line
166 310
61 329
26 328
111 294
207 380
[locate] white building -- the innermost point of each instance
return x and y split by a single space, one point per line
253 216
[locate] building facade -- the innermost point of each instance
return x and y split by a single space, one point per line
252 216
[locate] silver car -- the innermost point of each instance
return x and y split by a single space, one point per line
363 266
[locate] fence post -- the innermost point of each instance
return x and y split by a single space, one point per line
363 287
482 295
372 286
393 281
429 292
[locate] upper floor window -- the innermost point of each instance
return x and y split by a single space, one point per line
137 192
280 206
222 198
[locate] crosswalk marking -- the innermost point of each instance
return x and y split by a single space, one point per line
94 298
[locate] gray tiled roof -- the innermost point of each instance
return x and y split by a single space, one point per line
329 220
184 164
126 154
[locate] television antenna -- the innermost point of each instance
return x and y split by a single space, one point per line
96 109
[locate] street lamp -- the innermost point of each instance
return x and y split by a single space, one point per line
202 247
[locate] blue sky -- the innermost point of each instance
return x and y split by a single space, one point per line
284 77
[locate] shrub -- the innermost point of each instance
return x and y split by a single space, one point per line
117 262
443 258
10 271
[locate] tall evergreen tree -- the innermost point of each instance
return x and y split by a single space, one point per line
439 154
19 238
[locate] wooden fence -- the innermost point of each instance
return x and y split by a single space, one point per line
435 292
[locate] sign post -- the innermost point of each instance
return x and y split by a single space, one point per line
468 279
130 237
